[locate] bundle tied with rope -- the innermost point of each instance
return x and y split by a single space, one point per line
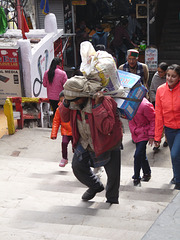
80 86
100 66
99 74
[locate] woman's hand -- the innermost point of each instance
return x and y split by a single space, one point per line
151 141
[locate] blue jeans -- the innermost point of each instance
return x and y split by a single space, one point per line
140 160
173 138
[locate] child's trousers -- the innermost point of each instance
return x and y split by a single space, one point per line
65 141
140 160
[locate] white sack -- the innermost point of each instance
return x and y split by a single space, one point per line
100 66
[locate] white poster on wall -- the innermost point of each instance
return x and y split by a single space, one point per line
151 58
41 61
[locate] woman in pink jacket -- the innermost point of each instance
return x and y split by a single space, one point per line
168 116
142 130
53 80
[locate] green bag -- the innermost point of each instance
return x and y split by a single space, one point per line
3 21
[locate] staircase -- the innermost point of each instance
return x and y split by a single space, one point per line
41 201
169 49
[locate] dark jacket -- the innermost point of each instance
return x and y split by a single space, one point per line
99 38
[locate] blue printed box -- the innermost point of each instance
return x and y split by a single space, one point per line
127 79
128 106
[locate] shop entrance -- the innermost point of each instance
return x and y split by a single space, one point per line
110 13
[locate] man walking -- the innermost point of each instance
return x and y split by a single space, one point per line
97 136
133 66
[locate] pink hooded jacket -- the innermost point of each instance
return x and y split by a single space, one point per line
142 126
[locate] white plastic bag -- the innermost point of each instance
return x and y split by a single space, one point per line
88 54
100 66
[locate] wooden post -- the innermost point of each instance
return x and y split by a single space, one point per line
19 14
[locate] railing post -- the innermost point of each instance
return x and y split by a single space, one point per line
8 111
19 108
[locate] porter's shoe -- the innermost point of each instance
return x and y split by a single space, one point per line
90 193
173 180
177 186
113 201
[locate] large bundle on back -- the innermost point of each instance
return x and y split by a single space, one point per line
80 86
100 66
100 74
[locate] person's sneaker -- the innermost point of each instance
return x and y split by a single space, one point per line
165 144
156 149
137 182
133 177
173 180
146 177
98 171
177 186
63 162
90 193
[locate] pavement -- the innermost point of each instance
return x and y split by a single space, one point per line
41 201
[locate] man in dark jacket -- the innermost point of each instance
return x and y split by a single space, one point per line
122 42
134 66
100 37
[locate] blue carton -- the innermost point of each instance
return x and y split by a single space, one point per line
128 106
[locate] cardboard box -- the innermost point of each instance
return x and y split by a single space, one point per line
127 80
129 105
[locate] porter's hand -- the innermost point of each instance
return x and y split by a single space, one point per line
98 97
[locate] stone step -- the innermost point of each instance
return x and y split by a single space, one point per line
39 200
66 232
